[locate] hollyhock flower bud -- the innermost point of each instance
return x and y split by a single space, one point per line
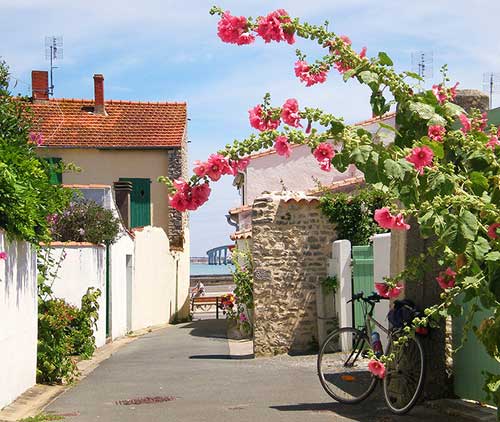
446 279
35 138
493 142
234 30
493 231
290 113
282 146
3 255
420 157
270 27
377 368
362 53
436 133
453 91
466 123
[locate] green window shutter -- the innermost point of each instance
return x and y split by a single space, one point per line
140 201
55 176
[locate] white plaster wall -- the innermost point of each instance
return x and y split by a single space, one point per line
300 172
118 283
18 319
381 269
83 267
153 291
183 276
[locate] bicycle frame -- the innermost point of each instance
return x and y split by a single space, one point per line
369 320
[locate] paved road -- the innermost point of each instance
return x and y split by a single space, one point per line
190 362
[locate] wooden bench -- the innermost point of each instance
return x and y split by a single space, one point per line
206 301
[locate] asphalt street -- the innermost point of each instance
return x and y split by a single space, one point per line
185 373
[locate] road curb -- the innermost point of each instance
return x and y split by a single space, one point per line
38 397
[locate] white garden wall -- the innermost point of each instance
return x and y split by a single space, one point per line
18 319
381 269
158 275
121 276
83 267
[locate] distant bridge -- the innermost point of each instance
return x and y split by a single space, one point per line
219 255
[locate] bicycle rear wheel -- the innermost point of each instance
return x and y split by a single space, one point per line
343 366
404 376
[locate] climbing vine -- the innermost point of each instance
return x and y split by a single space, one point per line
445 178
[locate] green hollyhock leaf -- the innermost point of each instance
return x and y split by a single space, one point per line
369 77
393 170
481 248
384 59
453 110
468 224
493 256
414 76
425 111
437 147
479 182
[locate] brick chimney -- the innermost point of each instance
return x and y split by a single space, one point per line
99 94
40 84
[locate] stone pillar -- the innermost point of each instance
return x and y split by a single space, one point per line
425 292
291 248
122 199
177 221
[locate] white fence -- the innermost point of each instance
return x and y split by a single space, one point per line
18 319
340 266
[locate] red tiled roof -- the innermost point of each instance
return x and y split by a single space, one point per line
72 123
344 185
242 234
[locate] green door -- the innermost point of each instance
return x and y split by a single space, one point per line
140 202
471 360
362 277
55 176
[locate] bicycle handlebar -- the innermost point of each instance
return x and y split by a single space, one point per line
373 298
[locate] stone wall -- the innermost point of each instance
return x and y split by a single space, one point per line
292 242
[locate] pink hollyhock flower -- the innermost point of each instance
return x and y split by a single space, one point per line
493 231
453 91
466 123
324 153
304 73
270 28
436 133
234 29
342 67
179 201
282 146
362 53
200 194
377 368
439 92
483 122
243 318
261 122
420 157
346 39
384 218
3 255
493 142
390 292
239 165
200 168
399 223
446 279
217 165
36 138
290 113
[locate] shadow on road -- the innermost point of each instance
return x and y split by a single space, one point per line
209 328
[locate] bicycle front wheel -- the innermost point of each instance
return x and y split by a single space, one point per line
404 376
343 366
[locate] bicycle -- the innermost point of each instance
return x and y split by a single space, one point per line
343 363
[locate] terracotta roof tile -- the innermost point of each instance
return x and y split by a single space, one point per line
240 209
71 123
242 234
344 185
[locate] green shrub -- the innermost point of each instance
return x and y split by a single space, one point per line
26 195
352 214
54 362
85 221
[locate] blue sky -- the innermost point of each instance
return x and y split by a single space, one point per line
165 50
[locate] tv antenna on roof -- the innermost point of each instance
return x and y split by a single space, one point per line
53 51
491 84
422 64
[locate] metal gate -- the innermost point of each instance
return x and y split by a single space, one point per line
471 360
362 277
